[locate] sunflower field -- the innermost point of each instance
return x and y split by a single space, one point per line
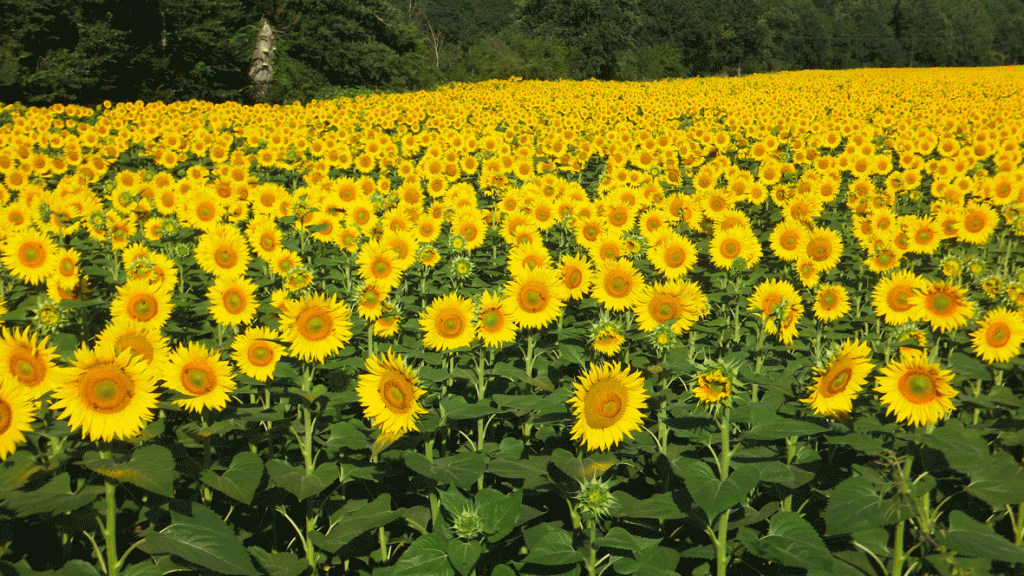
768 325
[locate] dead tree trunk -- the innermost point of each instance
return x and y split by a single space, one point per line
261 69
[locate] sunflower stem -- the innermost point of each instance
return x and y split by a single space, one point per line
591 557
721 554
110 530
1018 525
531 342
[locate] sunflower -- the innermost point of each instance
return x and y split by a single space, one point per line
577 275
389 394
736 242
831 302
536 297
389 323
494 322
892 297
787 238
712 387
16 416
232 301
779 305
199 373
843 376
607 337
617 284
977 224
999 335
127 334
944 305
378 264
256 352
223 251
528 256
30 255
106 396
673 255
27 363
316 326
823 246
915 390
607 405
924 233
448 322
680 303
140 301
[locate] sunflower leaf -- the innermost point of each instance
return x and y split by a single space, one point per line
714 495
240 480
971 538
150 467
200 536
355 518
296 481
461 469
427 556
54 497
854 506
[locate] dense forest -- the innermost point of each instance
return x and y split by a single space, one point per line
87 51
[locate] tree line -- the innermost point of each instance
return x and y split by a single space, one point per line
87 51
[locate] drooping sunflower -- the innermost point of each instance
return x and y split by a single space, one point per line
494 324
673 255
16 417
448 322
713 387
892 297
831 302
199 373
389 394
142 302
915 390
617 284
316 326
535 298
779 306
106 396
256 352
841 379
944 305
680 303
232 301
30 255
577 276
607 405
999 335
26 362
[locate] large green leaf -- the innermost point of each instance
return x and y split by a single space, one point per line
498 512
714 495
767 424
426 556
659 506
971 538
461 469
240 480
463 555
1001 483
356 517
296 481
279 563
54 497
551 546
200 536
792 541
529 467
150 467
854 505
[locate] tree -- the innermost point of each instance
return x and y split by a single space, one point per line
925 31
863 34
597 30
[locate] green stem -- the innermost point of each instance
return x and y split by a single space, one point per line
531 342
899 556
721 555
110 530
591 557
1018 526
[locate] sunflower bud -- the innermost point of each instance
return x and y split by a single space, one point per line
596 498
467 523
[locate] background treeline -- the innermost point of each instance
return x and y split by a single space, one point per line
86 51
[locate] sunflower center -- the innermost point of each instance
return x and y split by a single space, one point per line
837 382
450 326
617 286
267 242
5 416
730 248
675 257
137 344
260 354
27 370
534 299
663 311
829 300
573 278
899 299
234 302
924 236
198 380
492 320
920 388
143 307
67 267
381 269
974 223
997 334
314 324
226 257
605 403
819 250
396 394
107 389
940 304
32 254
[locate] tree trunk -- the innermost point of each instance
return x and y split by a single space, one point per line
261 70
